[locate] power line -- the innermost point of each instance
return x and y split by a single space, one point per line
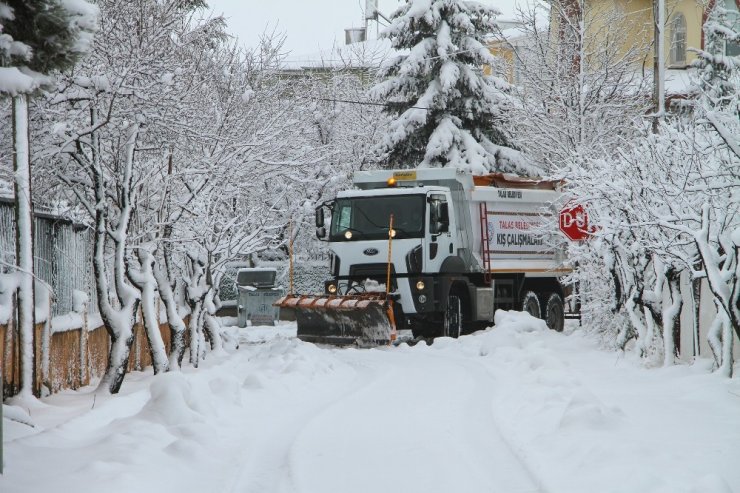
349 60
366 103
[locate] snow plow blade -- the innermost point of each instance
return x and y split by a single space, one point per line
364 319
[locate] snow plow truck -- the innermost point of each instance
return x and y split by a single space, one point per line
436 251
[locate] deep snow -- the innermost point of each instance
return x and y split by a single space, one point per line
513 409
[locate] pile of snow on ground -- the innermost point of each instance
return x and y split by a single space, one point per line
515 408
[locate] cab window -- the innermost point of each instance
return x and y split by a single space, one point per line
438 217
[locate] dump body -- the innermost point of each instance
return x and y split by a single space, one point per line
508 219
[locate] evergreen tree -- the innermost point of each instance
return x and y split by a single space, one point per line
55 31
11 51
446 111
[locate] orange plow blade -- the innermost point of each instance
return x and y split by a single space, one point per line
362 319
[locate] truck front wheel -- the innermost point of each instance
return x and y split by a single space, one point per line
453 317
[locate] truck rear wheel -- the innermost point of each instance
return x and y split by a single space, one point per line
531 304
453 318
555 312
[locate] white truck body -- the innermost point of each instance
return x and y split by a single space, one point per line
498 243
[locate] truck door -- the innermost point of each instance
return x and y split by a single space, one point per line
439 243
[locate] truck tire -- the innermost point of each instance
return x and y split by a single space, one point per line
531 304
452 325
555 312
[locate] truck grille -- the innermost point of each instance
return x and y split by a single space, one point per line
376 272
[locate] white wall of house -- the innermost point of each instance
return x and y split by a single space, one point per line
707 312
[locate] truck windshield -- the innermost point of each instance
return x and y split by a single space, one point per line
366 218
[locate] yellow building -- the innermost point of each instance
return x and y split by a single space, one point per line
630 23
683 29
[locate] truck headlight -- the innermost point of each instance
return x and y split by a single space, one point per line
332 288
420 285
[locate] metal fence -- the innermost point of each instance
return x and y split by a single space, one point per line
62 255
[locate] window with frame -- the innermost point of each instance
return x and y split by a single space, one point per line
678 40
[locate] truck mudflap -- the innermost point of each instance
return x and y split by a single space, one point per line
365 319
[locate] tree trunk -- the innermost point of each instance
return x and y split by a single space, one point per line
146 283
24 241
174 320
118 322
196 307
696 305
211 325
670 316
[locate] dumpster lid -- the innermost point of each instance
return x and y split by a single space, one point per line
258 277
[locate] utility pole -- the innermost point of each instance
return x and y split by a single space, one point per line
659 62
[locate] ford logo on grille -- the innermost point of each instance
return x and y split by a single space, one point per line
370 251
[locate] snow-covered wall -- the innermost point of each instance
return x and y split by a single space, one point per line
707 312
72 351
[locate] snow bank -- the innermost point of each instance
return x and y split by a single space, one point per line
622 428
514 408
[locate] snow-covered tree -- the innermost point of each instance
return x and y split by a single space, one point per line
578 90
123 108
446 111
719 75
37 38
335 118
669 202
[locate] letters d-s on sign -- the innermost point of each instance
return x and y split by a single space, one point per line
573 222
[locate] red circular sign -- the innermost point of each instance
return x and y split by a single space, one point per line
574 222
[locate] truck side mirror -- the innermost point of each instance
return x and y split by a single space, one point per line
320 217
321 232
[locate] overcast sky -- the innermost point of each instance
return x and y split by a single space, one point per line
311 26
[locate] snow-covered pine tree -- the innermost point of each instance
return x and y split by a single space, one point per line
446 111
37 37
56 31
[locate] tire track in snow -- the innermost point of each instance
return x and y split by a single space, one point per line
429 409
264 468
486 379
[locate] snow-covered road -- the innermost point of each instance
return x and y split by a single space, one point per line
513 409
403 422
